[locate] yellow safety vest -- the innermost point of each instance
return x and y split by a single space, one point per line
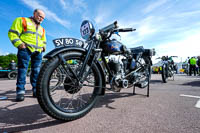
24 30
193 61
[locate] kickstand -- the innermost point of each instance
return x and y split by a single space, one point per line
148 90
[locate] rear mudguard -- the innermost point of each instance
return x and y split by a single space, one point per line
60 50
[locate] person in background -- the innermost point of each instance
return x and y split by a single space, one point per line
198 64
12 65
28 36
192 63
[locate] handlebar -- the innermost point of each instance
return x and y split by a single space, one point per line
174 56
125 30
113 28
107 31
109 27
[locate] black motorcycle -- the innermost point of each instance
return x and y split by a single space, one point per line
74 75
168 68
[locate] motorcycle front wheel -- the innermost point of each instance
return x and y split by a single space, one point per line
60 94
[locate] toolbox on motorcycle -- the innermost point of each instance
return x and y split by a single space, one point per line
149 52
137 50
146 52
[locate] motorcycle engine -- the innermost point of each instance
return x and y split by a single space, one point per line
117 67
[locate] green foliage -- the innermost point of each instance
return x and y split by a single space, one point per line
5 60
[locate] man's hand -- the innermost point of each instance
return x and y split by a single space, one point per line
43 49
22 46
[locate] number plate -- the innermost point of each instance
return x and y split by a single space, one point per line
85 31
61 42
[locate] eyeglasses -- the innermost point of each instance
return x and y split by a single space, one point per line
40 15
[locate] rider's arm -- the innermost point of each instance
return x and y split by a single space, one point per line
15 32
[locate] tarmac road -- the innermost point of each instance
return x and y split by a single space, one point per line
172 107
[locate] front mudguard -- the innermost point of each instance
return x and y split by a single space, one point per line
60 50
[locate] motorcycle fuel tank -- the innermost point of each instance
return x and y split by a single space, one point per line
113 47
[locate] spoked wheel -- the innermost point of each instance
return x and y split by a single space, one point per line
63 97
164 74
12 75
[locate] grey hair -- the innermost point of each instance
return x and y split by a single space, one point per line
36 10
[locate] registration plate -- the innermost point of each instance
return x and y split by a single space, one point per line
61 42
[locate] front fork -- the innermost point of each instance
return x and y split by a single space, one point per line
79 77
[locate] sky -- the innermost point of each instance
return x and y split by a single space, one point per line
172 27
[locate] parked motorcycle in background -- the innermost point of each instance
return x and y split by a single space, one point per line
168 68
80 68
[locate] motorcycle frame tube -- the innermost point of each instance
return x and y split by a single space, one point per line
91 45
106 64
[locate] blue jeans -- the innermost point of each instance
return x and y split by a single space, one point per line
24 56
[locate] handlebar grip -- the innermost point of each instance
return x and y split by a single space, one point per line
109 27
126 30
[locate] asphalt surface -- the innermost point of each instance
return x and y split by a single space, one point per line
171 108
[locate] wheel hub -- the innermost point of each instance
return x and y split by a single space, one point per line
72 86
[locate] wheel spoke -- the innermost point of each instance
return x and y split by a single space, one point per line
65 90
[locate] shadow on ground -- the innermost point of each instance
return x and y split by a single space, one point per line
192 83
24 118
156 81
32 116
110 98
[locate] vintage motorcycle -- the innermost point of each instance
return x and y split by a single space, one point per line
74 75
168 68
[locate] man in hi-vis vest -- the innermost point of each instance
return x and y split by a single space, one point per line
29 37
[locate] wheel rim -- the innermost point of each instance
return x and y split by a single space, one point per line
72 99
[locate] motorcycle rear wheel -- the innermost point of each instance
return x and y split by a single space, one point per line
64 99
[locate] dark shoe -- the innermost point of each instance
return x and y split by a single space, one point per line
34 94
20 97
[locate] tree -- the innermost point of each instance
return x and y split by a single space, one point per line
6 59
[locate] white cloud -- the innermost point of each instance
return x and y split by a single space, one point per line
154 5
49 14
144 29
186 14
76 6
73 6
80 4
189 46
104 15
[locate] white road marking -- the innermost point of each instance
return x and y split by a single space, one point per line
183 95
197 104
198 97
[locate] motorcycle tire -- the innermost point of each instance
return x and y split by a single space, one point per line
164 74
74 101
12 75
